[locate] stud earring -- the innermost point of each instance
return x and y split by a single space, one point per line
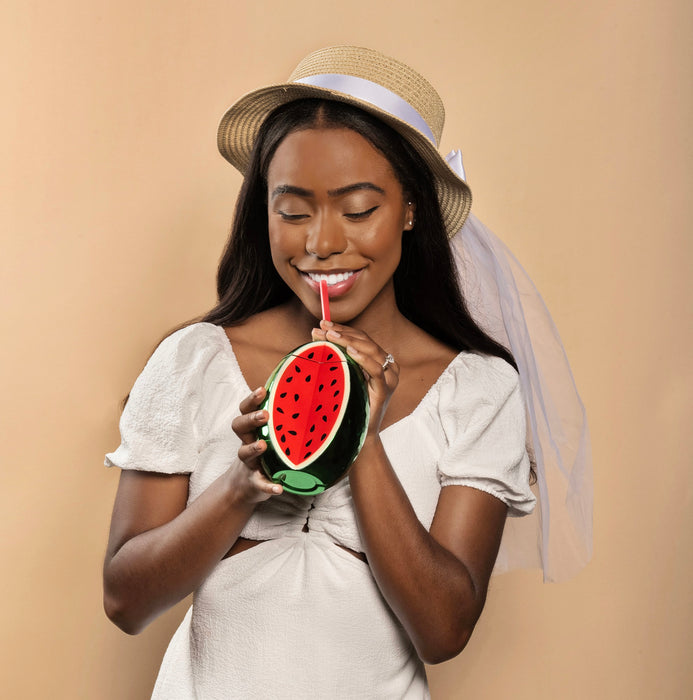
411 221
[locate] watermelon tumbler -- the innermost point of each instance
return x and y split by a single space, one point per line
317 400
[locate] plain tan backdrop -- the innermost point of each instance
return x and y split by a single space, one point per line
575 122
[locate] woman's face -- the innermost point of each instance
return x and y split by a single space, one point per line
336 211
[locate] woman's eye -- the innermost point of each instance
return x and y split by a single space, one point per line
291 217
360 214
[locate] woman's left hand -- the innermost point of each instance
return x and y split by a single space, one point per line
381 372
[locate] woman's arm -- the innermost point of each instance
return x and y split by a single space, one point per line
435 582
159 551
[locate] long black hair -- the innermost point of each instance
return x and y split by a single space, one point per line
426 286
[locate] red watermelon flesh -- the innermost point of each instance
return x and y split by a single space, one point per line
310 393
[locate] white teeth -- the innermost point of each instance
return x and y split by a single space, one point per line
330 279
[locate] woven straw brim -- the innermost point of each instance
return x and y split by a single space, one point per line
240 125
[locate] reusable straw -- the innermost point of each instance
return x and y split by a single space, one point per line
324 300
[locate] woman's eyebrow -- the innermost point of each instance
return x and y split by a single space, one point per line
290 189
302 192
356 186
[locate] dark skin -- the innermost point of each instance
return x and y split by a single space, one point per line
435 581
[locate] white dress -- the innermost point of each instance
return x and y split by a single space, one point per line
297 616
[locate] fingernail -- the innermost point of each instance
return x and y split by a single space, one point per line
352 351
259 415
333 334
276 489
327 324
258 392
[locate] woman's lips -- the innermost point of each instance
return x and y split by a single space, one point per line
338 283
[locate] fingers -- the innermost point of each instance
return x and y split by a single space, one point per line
262 484
376 364
382 377
375 361
247 424
248 452
250 403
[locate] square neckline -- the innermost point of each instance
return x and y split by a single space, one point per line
424 399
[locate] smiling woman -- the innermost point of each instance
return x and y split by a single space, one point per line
347 593
336 210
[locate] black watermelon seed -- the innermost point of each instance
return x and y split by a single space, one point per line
279 409
287 452
295 415
311 355
298 369
325 418
330 356
307 454
282 395
335 407
295 397
333 368
279 427
333 382
324 435
308 378
336 393
283 438
319 408
308 443
288 379
321 387
292 432
312 428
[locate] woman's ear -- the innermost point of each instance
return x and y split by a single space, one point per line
409 218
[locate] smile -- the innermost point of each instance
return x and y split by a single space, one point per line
338 283
332 278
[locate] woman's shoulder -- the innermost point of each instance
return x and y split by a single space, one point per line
462 370
473 380
190 347
484 368
192 337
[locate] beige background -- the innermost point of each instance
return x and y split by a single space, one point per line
575 121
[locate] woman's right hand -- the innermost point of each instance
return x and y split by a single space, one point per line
249 481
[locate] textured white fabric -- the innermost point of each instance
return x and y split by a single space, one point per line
299 594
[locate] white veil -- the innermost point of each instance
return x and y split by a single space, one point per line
557 536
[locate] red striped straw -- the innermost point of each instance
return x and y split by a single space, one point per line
324 300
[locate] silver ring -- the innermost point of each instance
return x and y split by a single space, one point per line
388 361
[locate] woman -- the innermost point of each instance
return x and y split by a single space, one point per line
345 594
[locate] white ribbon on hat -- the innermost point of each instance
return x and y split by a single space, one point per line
454 160
374 94
386 100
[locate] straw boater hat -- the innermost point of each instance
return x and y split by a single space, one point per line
377 84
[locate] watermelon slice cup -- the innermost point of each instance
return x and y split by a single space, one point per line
317 400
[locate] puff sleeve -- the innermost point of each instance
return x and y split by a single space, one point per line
158 425
485 428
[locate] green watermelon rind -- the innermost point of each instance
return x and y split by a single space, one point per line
333 464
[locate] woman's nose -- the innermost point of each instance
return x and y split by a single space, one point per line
326 237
